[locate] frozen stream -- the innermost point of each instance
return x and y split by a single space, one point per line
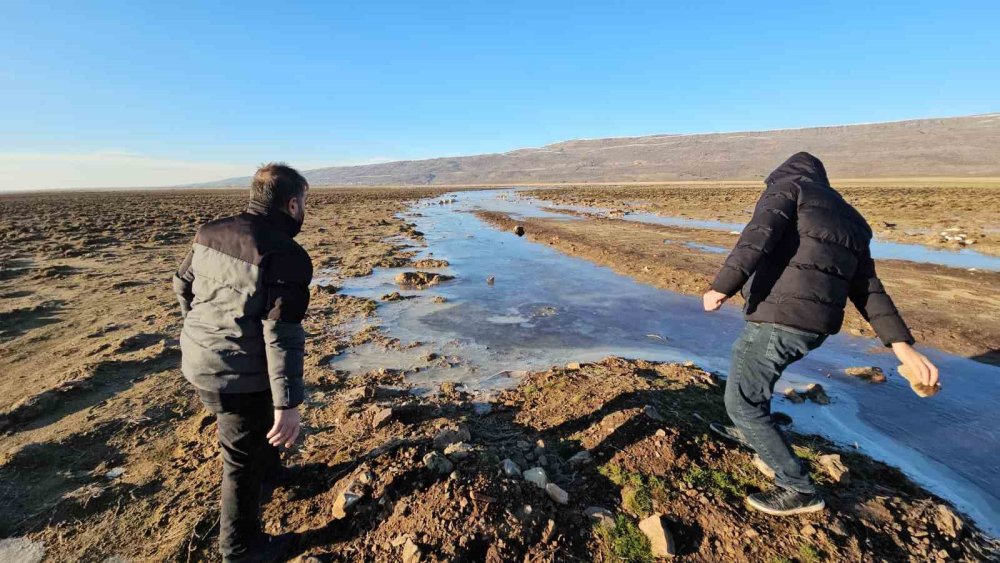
881 250
546 308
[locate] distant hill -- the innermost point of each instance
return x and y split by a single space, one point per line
954 146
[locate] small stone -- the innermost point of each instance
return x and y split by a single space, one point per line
523 445
651 412
835 468
948 522
412 553
382 418
816 394
347 498
519 231
751 533
556 493
871 373
510 469
399 540
357 394
491 280
115 473
366 478
573 366
660 540
808 530
793 396
449 436
781 418
600 516
581 457
537 476
438 463
458 451
661 432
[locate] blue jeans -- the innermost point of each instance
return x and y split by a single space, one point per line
760 355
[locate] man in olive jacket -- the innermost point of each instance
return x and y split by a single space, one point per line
803 255
243 291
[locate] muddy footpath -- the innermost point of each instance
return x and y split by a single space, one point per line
107 455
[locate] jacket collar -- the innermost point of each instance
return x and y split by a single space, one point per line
276 217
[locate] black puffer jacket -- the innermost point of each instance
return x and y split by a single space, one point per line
805 253
243 290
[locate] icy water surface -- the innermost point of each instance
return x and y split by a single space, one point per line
881 250
545 308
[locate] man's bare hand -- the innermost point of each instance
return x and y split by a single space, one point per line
285 429
917 363
713 300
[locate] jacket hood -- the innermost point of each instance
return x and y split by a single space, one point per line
281 220
800 166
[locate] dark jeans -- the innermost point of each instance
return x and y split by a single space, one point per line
760 355
243 421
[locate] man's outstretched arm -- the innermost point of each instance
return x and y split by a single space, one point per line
869 296
775 210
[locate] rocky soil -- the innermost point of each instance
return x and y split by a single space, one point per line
105 451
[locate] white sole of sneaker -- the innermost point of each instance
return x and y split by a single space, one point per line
802 510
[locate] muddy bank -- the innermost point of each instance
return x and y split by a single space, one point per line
954 310
945 214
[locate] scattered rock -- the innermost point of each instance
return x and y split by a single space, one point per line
21 550
510 469
573 366
808 530
581 457
115 472
835 468
438 463
430 263
793 396
394 296
600 516
660 539
661 433
459 451
556 493
357 395
382 418
816 394
948 522
871 373
781 418
420 280
449 436
537 476
347 498
439 299
651 412
411 552
491 280
519 231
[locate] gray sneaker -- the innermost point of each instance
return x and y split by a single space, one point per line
785 502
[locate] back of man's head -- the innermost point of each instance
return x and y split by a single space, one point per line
275 184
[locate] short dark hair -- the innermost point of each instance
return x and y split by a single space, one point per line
276 183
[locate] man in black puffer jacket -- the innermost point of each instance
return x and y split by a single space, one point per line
804 254
243 290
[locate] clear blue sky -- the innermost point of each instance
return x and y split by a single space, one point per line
85 86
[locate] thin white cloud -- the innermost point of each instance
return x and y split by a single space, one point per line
39 170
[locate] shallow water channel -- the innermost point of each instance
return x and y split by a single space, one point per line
545 308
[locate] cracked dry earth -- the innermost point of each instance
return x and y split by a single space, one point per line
106 452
